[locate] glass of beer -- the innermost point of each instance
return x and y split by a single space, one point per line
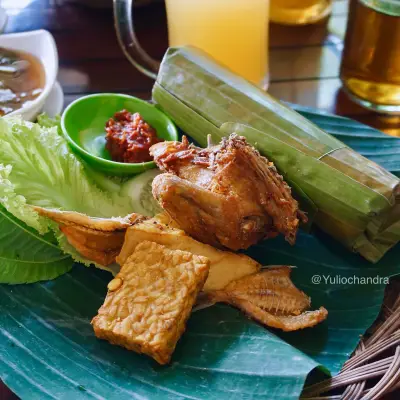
234 32
299 12
370 69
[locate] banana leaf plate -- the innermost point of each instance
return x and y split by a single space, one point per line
48 349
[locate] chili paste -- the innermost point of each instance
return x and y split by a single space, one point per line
129 137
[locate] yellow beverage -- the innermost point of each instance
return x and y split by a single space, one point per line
370 69
299 12
235 32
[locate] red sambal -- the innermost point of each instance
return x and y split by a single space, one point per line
129 138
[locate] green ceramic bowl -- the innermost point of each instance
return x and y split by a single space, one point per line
83 124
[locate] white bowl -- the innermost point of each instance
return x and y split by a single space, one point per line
41 44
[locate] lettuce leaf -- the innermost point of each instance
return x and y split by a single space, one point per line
49 122
38 168
25 255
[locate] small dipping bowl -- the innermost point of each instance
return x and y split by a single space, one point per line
83 123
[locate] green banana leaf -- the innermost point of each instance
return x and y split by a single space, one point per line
356 201
48 349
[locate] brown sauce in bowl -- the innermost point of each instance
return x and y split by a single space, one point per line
22 79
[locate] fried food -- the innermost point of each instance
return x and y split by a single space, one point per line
271 298
97 239
224 266
102 240
97 246
226 195
150 300
98 224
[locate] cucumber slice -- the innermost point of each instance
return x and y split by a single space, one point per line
139 190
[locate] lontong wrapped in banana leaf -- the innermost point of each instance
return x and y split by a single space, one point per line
353 199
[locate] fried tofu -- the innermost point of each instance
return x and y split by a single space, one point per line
225 266
100 240
150 300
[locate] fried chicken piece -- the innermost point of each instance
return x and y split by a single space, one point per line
225 266
226 195
271 298
97 239
150 300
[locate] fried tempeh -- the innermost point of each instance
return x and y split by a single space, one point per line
271 298
150 300
225 266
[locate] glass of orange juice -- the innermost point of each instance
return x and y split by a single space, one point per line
234 32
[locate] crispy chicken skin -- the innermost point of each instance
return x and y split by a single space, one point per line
226 195
150 300
271 298
97 239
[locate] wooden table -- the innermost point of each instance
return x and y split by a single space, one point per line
304 61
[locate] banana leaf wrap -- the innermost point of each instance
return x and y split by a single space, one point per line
352 198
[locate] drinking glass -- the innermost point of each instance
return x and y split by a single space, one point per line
370 70
234 32
299 12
